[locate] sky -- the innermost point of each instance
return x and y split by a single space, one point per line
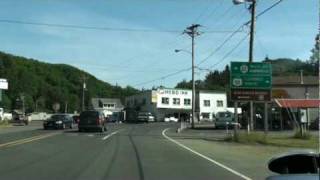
143 55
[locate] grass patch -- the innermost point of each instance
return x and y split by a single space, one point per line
4 123
298 135
254 137
276 139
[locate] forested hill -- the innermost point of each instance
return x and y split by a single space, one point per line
42 84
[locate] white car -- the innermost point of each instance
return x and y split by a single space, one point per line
170 119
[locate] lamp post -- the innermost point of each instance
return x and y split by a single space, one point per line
193 83
252 9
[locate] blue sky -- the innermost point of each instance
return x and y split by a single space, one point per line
132 58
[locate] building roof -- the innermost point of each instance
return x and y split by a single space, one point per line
294 80
96 101
212 91
298 103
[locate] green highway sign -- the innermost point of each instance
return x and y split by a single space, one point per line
245 75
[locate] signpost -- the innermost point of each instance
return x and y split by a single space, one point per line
251 81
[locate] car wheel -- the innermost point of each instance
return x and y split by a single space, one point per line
45 128
70 126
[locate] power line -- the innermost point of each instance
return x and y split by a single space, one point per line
239 29
230 52
163 77
70 26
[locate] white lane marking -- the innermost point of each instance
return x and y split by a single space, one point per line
203 156
109 135
90 135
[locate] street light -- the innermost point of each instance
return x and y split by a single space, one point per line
252 8
193 84
182 50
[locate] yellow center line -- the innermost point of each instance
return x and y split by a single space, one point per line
26 140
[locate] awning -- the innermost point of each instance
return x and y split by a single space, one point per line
298 103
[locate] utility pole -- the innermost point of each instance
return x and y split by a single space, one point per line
83 91
251 44
192 31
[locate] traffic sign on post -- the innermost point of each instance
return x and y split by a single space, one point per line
250 81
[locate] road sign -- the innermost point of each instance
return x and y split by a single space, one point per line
246 75
3 84
250 95
250 81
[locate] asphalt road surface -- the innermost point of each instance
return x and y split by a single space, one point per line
125 151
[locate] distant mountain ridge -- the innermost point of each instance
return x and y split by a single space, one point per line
42 84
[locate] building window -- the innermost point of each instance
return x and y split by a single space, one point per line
165 100
109 106
176 101
219 103
205 115
187 102
206 103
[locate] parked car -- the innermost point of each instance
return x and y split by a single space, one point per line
18 117
225 119
145 117
170 118
58 121
92 120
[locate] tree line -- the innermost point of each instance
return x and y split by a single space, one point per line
40 85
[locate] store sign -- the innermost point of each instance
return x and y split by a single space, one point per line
250 95
173 91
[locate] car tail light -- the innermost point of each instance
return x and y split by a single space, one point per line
99 121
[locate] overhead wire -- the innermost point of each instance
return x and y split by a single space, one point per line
118 29
224 42
240 27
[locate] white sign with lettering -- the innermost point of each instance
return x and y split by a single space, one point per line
3 84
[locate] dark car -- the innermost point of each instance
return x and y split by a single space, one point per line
93 120
58 121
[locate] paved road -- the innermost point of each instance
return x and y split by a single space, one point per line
126 151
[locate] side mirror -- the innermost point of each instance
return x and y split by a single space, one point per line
296 163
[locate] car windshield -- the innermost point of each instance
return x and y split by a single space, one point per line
58 117
159 89
225 114
89 114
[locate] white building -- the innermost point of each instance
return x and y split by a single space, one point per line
166 102
108 106
209 103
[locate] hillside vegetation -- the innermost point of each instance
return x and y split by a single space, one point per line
43 84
